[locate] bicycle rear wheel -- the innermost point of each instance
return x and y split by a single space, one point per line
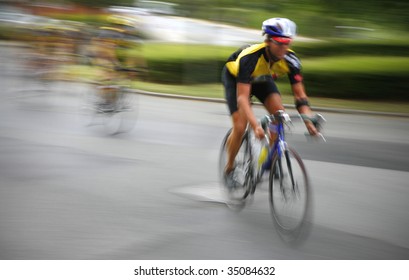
88 109
236 197
123 117
290 196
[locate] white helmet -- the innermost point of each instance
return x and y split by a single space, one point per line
279 27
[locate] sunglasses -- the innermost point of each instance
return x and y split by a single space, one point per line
281 41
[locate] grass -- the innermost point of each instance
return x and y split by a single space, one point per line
165 52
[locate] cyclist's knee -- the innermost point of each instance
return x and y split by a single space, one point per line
239 124
273 103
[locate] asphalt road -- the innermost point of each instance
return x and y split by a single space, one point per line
71 191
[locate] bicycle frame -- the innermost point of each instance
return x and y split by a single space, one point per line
278 147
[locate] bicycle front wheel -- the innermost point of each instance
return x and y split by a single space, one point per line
237 195
290 196
123 118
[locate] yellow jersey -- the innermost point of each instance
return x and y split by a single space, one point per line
251 62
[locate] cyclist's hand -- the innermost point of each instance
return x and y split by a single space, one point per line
312 129
259 132
314 124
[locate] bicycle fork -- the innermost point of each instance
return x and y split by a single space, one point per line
282 150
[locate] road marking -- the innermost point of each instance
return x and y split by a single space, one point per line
206 192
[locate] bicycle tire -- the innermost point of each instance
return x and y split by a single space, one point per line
120 118
88 108
130 110
289 190
236 197
123 118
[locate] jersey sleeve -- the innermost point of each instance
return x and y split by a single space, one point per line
247 65
294 65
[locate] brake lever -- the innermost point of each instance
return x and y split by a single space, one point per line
321 137
316 138
319 121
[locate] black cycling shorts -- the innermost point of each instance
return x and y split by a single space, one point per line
258 89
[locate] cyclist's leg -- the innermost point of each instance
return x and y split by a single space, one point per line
238 119
273 103
268 94
234 141
108 91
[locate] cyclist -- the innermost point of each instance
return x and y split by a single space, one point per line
251 71
127 39
106 55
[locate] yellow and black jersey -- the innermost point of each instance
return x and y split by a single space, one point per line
250 62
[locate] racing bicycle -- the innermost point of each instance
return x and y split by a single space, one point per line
113 105
289 185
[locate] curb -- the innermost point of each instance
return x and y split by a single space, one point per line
318 109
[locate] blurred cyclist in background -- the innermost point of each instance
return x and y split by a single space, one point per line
111 50
251 71
121 35
52 44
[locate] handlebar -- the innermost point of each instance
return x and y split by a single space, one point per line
318 121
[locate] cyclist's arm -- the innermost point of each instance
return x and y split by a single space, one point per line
301 98
246 68
243 103
301 101
296 80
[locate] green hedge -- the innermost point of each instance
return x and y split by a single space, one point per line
361 75
184 64
351 47
185 71
390 86
336 84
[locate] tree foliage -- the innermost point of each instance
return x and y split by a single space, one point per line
384 12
